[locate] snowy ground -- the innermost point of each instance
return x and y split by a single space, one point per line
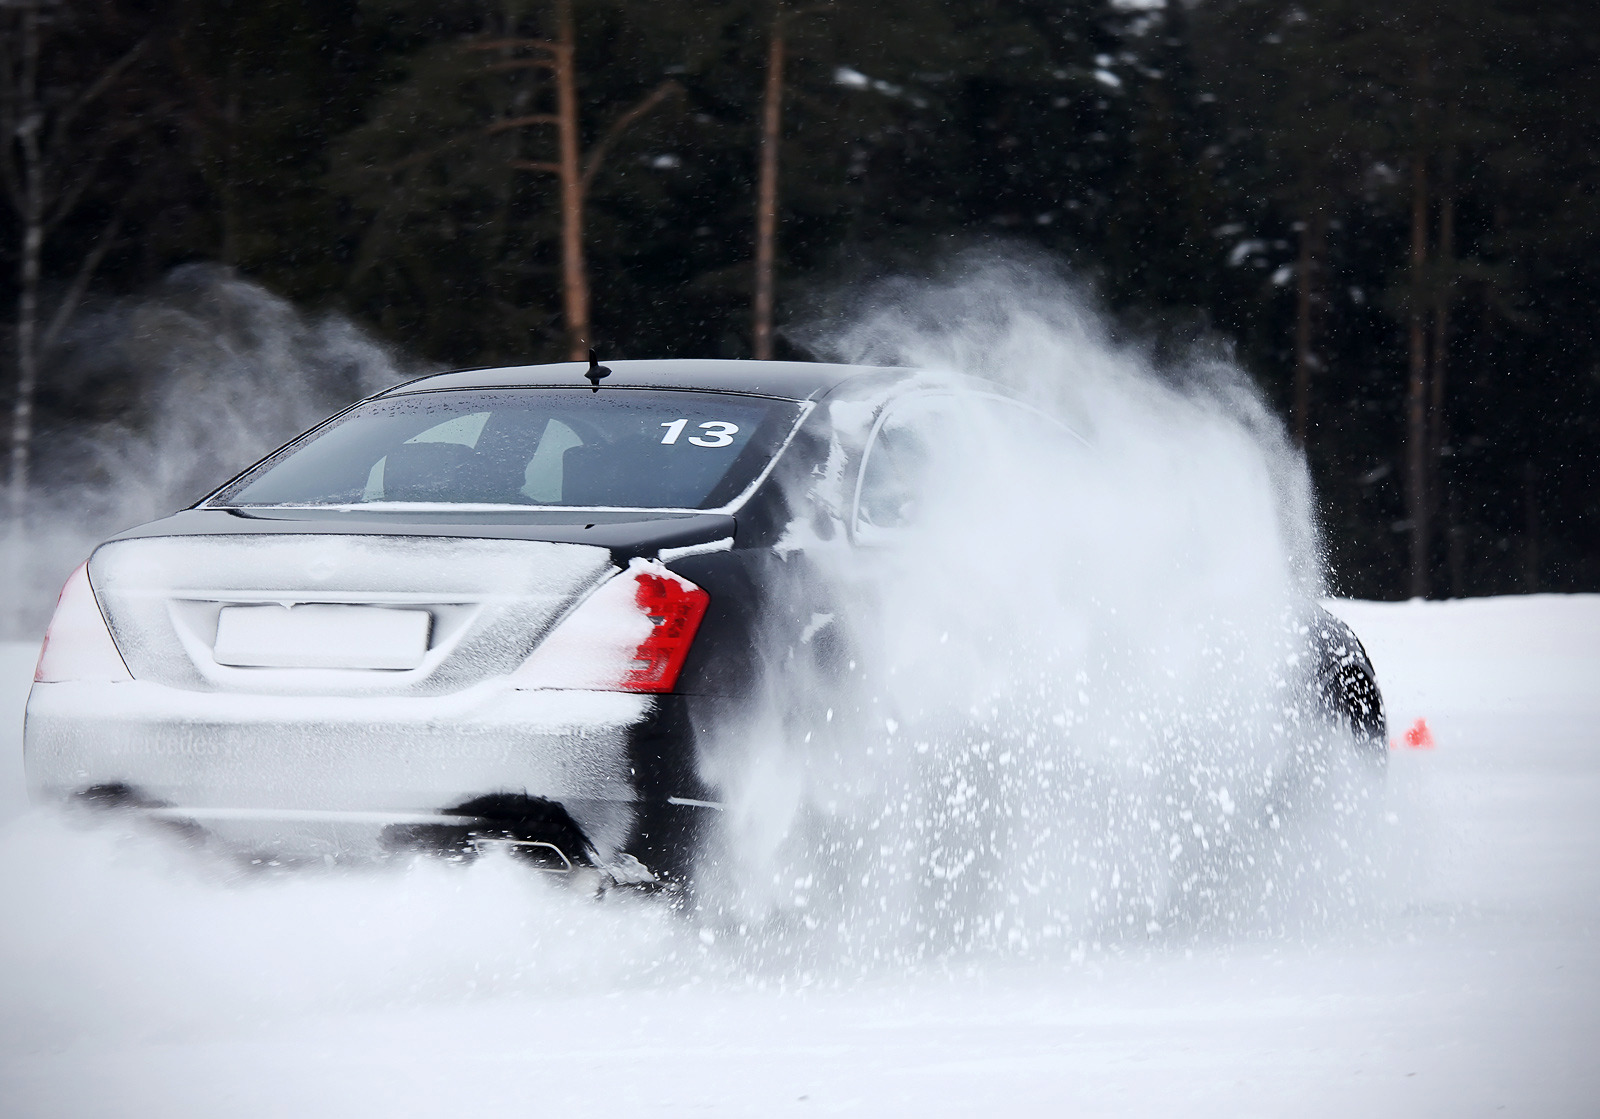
131 984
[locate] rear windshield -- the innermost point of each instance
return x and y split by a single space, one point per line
619 448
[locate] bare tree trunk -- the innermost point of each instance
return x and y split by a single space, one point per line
1439 351
28 270
767 192
229 191
1416 387
575 170
574 275
1445 497
1530 539
1311 236
67 306
1456 540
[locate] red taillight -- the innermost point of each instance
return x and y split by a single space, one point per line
78 646
632 635
674 607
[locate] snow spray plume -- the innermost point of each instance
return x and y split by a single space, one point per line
1075 710
219 372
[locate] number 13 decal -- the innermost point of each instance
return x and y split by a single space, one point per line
717 433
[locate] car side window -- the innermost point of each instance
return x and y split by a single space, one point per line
933 442
904 453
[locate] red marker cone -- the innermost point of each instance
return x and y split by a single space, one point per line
1418 737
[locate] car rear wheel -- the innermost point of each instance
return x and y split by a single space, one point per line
1346 687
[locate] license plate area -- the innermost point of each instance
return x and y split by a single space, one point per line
322 635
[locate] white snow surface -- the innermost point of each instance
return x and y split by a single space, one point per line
137 980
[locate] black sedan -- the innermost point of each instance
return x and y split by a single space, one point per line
504 607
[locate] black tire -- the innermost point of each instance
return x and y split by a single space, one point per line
1347 692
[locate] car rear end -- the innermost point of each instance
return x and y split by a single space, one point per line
443 622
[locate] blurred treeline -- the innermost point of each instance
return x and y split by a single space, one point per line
1390 212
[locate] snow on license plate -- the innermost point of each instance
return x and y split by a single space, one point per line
321 635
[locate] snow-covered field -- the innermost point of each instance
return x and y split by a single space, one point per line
134 982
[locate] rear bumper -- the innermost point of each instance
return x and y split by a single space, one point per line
320 762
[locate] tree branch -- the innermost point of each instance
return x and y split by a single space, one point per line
205 99
514 44
597 153
509 123
522 64
80 283
104 82
88 166
492 129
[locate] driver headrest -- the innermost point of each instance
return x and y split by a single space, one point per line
428 472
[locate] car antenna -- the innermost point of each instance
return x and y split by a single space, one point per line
596 371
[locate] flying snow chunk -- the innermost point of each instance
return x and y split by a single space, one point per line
851 79
1243 251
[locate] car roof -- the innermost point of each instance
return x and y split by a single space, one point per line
789 380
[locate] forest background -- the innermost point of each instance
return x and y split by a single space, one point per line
1386 213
